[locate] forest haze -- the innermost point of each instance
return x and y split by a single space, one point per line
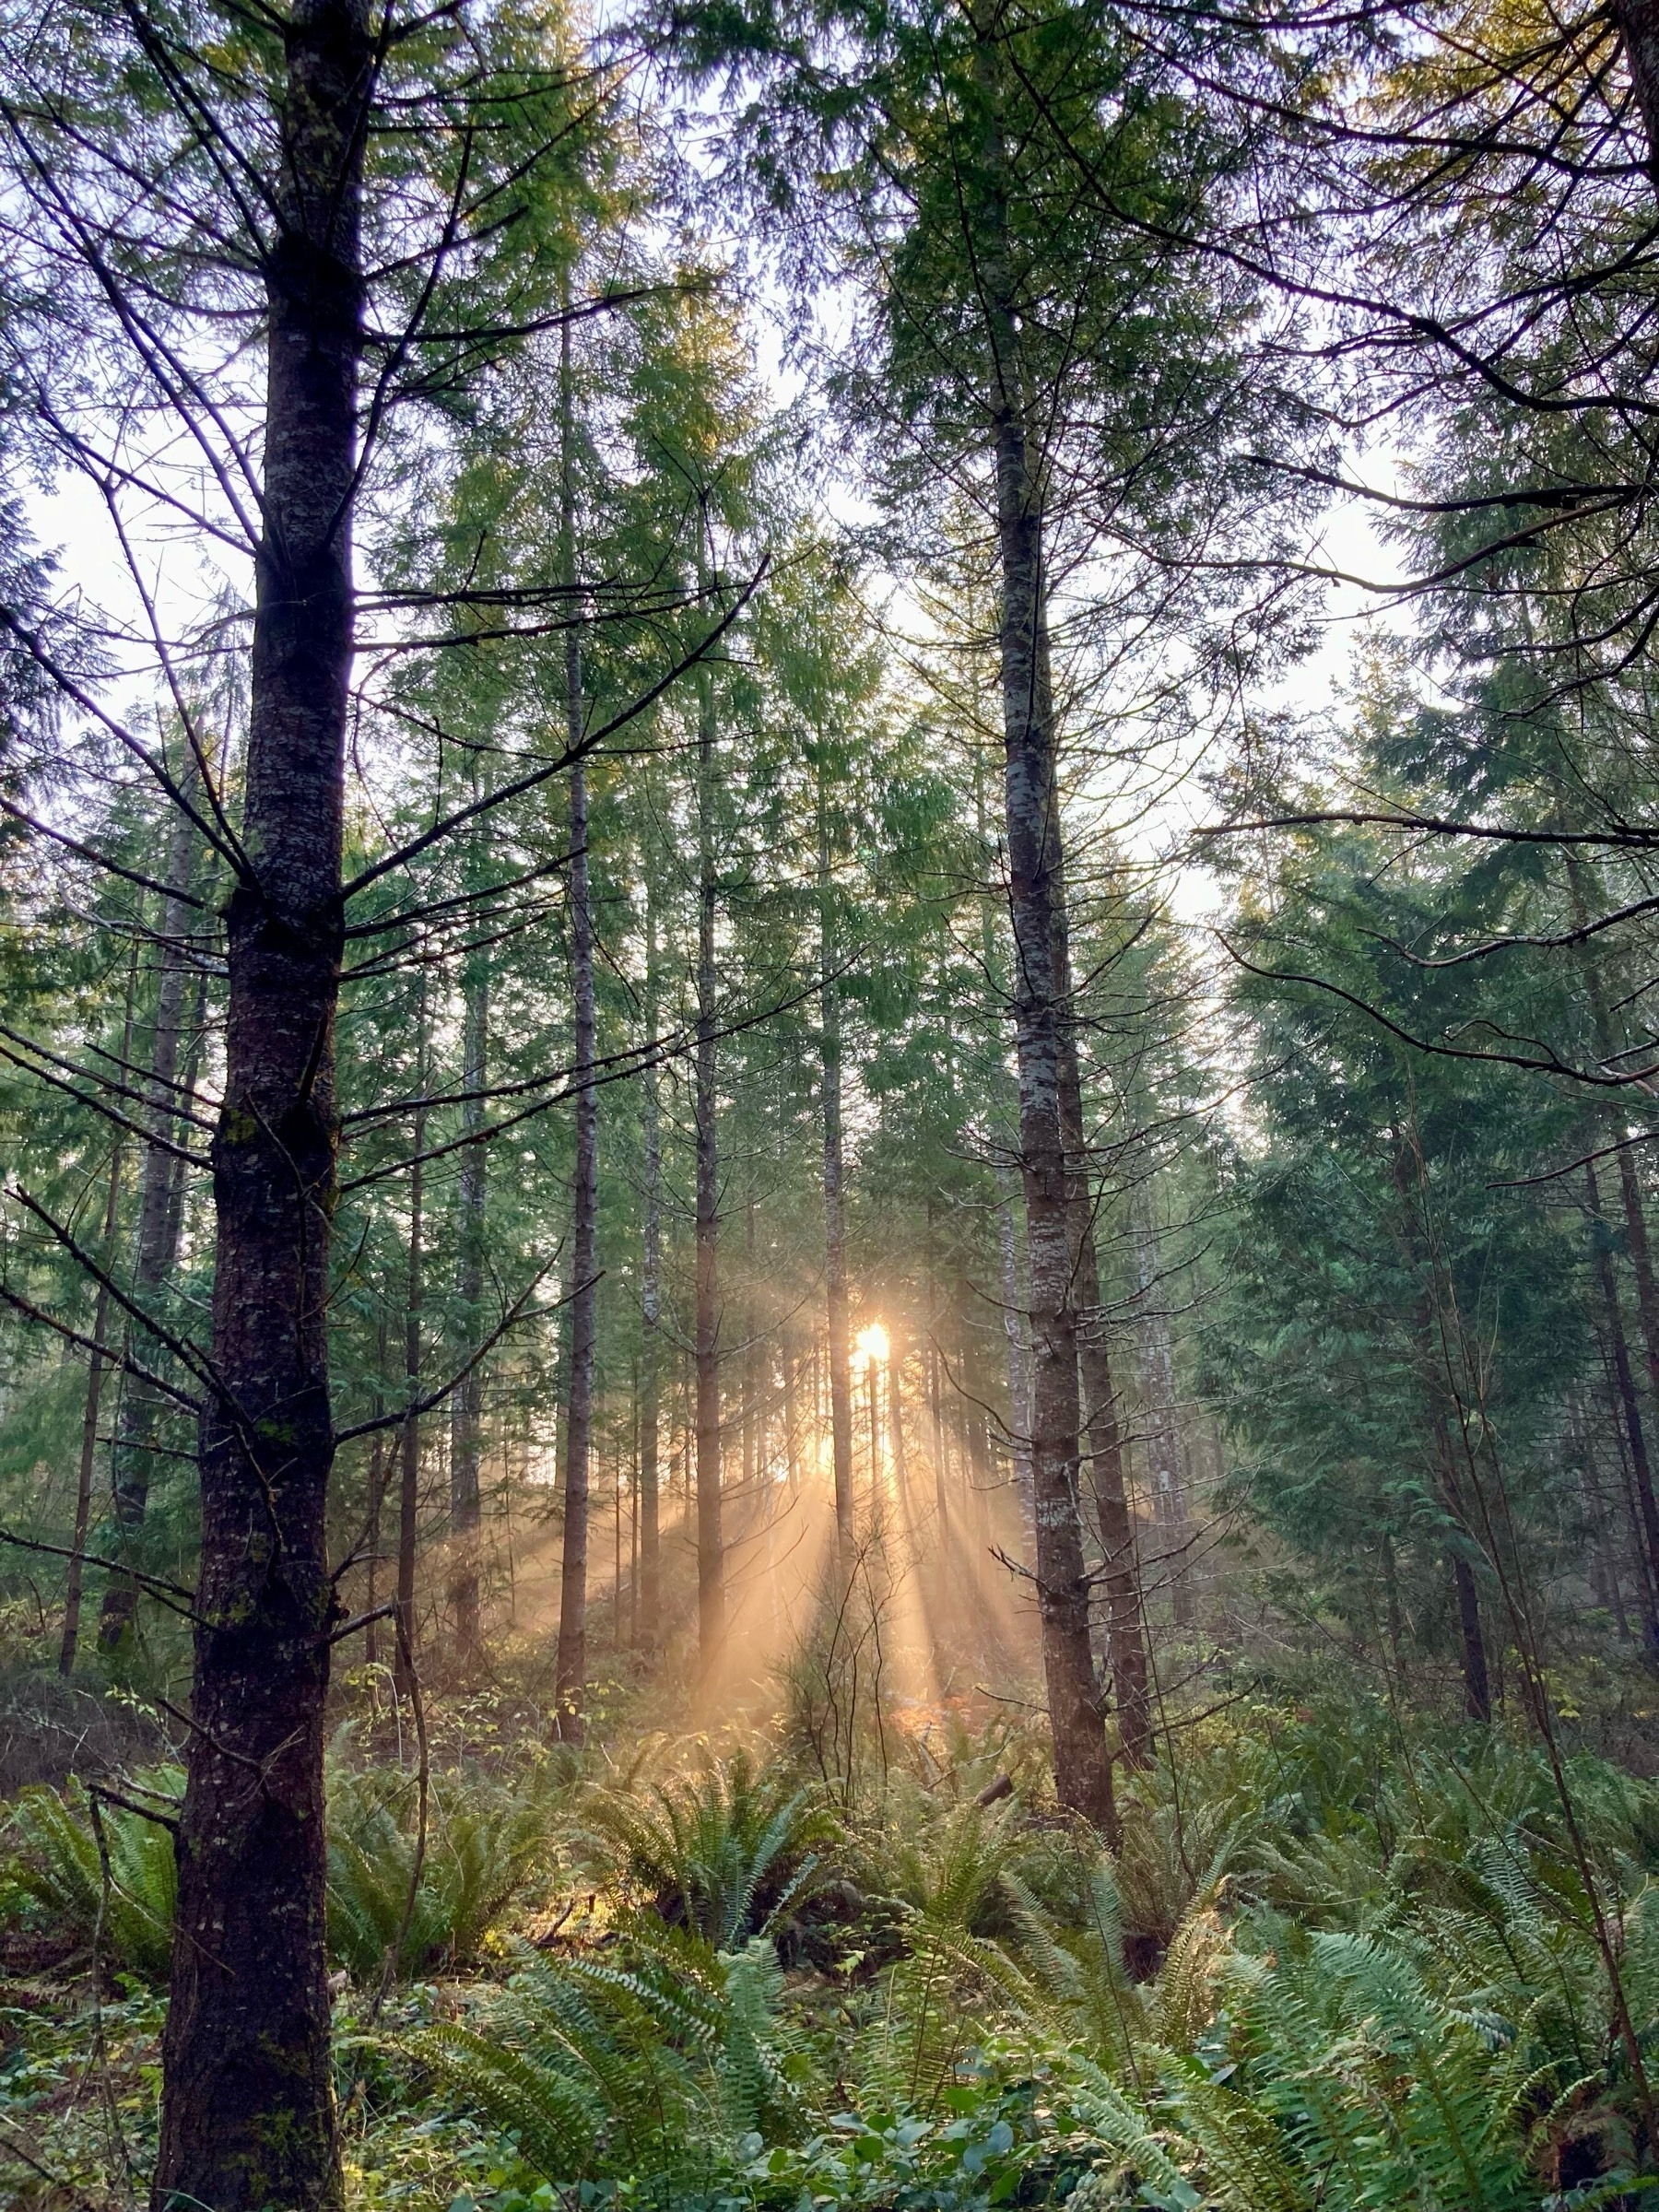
828 1347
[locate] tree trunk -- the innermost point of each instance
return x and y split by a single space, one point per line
1082 1767
935 1412
1478 1692
710 1563
835 1214
651 1278
70 1642
144 1410
1125 1639
571 1663
895 1416
571 1666
1647 1523
467 1412
791 1442
408 1488
377 1493
1017 1347
247 2112
1163 1441
752 1420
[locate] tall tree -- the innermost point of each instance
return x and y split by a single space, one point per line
570 1678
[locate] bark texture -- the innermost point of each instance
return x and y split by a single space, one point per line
248 2115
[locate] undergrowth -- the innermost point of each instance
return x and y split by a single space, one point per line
1332 1963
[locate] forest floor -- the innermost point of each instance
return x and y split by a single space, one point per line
1342 1954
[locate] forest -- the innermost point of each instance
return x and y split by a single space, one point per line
829 1033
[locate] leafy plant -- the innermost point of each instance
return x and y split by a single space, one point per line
660 2060
728 1852
56 1865
483 1846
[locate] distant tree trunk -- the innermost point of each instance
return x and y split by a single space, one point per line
752 1420
248 2109
408 1491
195 1029
791 1442
835 1214
144 1410
1465 1591
1391 1599
710 1560
69 1644
873 1404
651 1284
377 1493
1163 1441
1082 1767
935 1411
1647 1526
1478 1691
571 1663
468 1407
896 1414
1605 1583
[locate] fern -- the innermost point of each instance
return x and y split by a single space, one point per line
729 1853
648 2061
482 1849
57 1864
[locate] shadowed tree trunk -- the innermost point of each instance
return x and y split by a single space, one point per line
70 1642
145 1411
1035 892
1015 1288
752 1422
710 1565
1125 1638
896 1414
571 1688
466 1413
408 1487
1477 1691
247 2112
1157 1383
835 1211
651 1278
377 1492
1635 1216
1647 1506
